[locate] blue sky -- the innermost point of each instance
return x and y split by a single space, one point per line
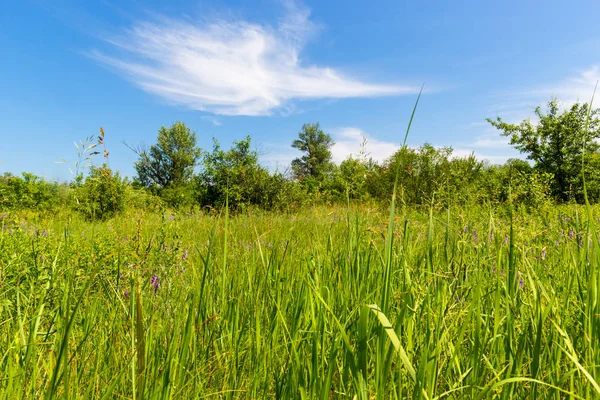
263 68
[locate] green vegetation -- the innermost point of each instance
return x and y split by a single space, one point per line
170 163
475 281
556 143
279 305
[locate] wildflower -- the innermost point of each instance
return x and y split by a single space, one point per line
154 282
571 233
521 284
126 293
467 229
475 237
556 242
505 238
543 254
45 233
185 254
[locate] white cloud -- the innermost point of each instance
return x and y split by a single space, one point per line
490 140
212 120
232 67
492 158
578 88
348 141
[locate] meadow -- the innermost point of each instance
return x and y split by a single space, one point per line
327 302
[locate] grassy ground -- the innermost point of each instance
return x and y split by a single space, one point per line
325 303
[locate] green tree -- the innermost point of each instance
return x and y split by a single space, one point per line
234 173
556 142
316 146
171 161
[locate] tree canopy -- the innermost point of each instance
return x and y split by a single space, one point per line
316 146
171 161
556 142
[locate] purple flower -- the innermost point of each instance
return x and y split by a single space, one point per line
556 242
475 237
505 238
154 282
521 284
467 229
45 233
126 293
543 254
185 254
571 233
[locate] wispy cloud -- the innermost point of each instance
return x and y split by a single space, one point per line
577 88
516 106
232 67
213 120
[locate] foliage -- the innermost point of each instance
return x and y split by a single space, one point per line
102 195
30 192
234 174
556 142
315 164
428 174
171 161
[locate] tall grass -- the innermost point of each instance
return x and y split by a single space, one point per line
294 306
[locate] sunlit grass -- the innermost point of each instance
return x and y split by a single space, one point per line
291 305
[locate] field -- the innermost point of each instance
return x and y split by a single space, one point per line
328 302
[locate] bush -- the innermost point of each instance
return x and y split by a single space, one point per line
30 192
102 195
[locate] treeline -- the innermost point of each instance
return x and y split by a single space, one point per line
561 146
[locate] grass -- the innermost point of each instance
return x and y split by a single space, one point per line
326 303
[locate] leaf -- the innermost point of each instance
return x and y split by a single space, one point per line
389 329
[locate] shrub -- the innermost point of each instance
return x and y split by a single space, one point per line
102 195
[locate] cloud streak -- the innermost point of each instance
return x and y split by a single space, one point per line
578 88
232 67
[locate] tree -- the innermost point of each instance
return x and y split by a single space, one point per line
316 145
235 175
556 142
169 163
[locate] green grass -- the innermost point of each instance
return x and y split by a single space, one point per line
326 303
